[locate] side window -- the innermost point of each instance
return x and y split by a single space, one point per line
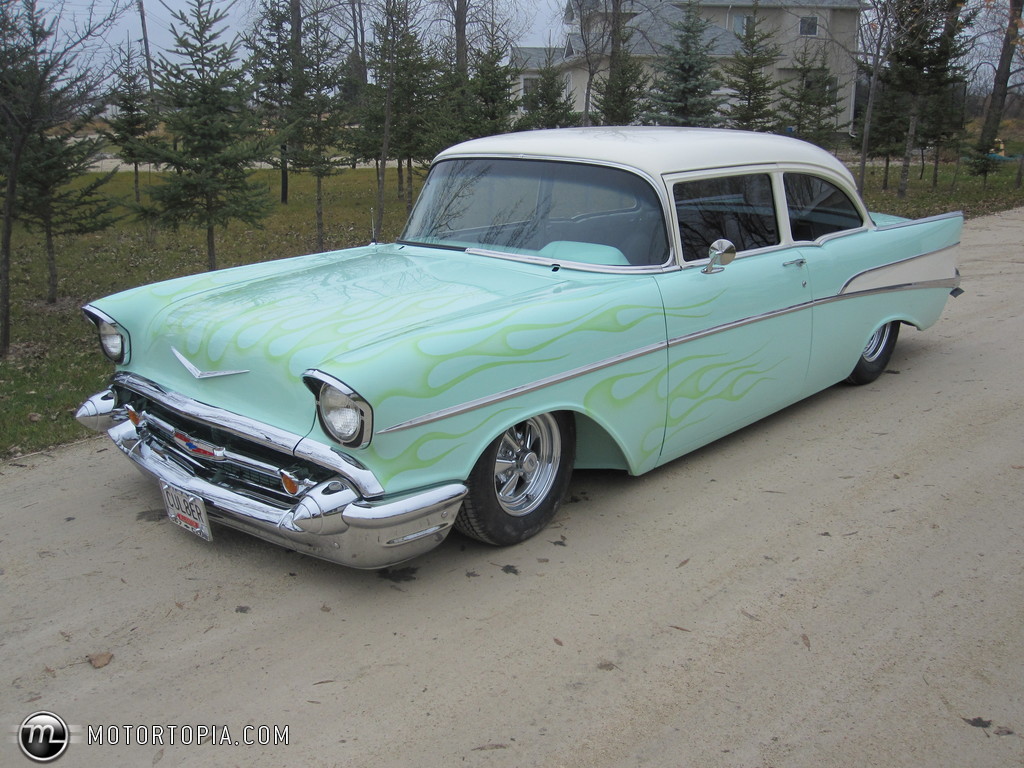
818 207
738 208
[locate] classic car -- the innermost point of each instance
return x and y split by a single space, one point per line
597 298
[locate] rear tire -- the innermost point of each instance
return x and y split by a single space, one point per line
876 355
520 480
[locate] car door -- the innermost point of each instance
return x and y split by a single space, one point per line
738 336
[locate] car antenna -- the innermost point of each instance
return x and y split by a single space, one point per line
373 235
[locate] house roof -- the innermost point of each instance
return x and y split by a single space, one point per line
653 29
652 26
853 5
531 59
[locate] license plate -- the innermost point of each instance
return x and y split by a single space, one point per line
186 510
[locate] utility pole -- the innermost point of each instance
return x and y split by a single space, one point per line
145 47
295 62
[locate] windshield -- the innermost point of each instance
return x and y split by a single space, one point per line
567 212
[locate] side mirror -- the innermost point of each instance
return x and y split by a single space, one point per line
721 253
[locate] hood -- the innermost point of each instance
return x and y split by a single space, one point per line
269 323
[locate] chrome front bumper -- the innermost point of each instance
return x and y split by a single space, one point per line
329 520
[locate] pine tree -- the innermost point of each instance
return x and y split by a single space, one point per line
48 200
923 63
619 97
547 105
809 103
746 74
45 81
394 97
132 118
320 112
213 135
685 85
493 104
274 74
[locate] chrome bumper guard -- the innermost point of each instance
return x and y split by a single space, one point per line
329 520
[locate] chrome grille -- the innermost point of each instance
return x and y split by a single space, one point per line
219 456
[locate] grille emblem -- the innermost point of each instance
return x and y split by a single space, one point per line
198 448
201 374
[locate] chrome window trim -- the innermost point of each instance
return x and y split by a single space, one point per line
671 264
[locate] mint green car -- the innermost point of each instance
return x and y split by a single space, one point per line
607 298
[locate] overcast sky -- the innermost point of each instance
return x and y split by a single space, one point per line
544 14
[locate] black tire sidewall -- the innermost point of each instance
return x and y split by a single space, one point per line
866 371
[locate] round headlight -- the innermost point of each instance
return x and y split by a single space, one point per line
344 415
111 341
340 413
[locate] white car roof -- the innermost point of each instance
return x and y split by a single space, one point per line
654 150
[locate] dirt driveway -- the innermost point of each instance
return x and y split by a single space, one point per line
839 585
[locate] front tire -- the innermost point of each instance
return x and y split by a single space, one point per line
876 355
518 484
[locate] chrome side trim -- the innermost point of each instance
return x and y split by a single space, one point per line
739 323
254 431
952 282
472 405
498 397
895 265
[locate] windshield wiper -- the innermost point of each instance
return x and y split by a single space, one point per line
437 246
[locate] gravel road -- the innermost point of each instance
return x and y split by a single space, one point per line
838 585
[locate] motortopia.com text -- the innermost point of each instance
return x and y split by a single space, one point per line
172 735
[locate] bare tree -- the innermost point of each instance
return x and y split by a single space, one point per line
590 40
1001 80
473 24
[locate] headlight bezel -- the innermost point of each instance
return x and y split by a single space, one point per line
115 341
336 402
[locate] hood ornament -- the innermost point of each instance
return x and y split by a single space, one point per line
201 374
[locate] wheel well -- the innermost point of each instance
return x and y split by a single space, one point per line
595 448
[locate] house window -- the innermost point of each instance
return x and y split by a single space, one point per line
530 85
808 26
741 23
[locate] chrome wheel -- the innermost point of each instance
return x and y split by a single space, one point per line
518 483
527 463
876 355
877 343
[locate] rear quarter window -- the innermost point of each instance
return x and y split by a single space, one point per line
817 207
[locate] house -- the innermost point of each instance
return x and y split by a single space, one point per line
583 57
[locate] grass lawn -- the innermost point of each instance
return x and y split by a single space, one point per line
55 361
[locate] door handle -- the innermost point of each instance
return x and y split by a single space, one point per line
794 263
